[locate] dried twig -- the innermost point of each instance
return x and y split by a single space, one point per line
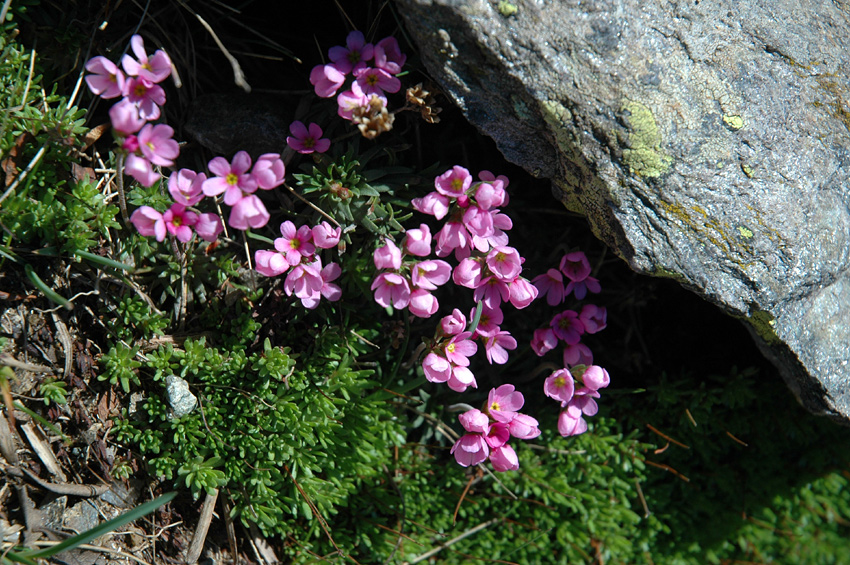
202 528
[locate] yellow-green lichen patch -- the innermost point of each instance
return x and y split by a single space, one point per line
557 117
507 9
748 170
765 325
734 122
745 232
644 155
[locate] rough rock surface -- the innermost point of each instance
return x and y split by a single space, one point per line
707 141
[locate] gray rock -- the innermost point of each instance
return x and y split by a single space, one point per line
180 399
81 517
704 141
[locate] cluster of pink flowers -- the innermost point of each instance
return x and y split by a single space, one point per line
144 144
367 90
576 402
489 431
403 280
569 326
296 251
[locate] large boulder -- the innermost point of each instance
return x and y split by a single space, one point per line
706 141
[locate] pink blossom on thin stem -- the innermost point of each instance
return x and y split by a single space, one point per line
504 402
138 167
154 69
329 291
269 171
184 186
430 274
388 56
567 326
326 237
179 222
125 118
376 81
307 139
248 212
295 244
454 183
577 354
157 145
350 100
453 324
543 341
576 267
505 263
106 80
354 55
146 95
232 179
497 346
304 280
270 263
559 385
391 289
388 256
433 204
418 241
149 222
209 226
594 318
326 79
422 304
551 285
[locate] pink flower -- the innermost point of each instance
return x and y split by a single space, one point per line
471 449
433 204
295 244
478 222
157 145
232 179
468 273
578 354
149 222
437 369
107 80
388 56
459 349
496 347
461 379
125 118
326 237
492 292
489 322
418 241
269 171
391 289
559 385
567 326
305 281
504 459
453 324
524 427
594 318
498 435
140 169
423 304
570 421
330 291
146 95
184 186
270 263
454 183
248 212
576 267
352 57
489 196
326 79
388 256
504 402
154 69
551 285
453 235
475 421
595 377
430 274
179 222
350 100
523 293
209 226
499 238
307 140
376 81
544 340
505 263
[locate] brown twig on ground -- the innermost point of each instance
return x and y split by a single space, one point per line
202 528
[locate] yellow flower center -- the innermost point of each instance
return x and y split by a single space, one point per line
140 90
294 243
177 221
495 406
560 382
450 348
232 179
457 184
